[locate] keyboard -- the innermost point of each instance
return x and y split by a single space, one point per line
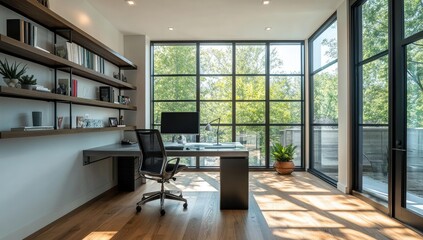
174 147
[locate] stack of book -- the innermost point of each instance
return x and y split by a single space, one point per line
79 55
22 31
33 128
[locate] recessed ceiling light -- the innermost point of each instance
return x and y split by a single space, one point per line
268 28
170 28
130 2
266 2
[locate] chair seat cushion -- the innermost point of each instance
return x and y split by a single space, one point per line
171 166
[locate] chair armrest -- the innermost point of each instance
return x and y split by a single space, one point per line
176 165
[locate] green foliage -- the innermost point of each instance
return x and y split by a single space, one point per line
282 153
11 71
28 80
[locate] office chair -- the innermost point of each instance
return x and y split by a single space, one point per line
154 165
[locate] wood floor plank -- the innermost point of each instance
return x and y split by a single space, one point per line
281 207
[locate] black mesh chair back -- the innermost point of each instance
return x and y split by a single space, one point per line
153 152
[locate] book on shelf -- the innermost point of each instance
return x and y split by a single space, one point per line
74 88
32 128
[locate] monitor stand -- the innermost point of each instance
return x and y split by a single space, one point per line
181 139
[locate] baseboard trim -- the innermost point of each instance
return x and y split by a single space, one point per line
112 191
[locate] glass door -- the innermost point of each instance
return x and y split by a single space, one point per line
407 150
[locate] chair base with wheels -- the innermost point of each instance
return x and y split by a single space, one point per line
162 195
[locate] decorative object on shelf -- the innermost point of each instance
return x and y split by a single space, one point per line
59 122
124 100
123 78
106 94
94 123
80 122
37 118
12 73
63 86
44 3
115 75
28 82
113 122
283 156
121 122
41 88
209 128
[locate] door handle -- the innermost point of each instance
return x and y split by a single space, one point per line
399 149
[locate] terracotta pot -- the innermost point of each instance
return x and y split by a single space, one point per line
284 168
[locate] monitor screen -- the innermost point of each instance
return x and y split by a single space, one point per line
180 123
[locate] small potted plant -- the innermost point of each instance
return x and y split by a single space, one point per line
11 73
28 82
283 156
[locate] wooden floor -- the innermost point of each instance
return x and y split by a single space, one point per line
281 207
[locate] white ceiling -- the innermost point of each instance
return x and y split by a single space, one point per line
218 19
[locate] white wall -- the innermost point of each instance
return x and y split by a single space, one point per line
137 48
42 178
344 105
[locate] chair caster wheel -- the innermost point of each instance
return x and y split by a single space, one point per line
185 205
162 212
138 209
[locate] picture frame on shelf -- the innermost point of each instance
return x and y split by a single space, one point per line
106 94
113 122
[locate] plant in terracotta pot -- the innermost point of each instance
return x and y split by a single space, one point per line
28 82
283 156
11 72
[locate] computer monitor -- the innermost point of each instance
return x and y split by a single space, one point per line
180 123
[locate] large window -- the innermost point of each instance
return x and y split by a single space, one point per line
255 88
323 47
371 79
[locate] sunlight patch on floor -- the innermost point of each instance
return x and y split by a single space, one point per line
274 202
331 202
103 235
299 219
197 185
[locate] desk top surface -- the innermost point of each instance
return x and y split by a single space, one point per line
226 150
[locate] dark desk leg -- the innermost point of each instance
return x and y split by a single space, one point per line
128 177
233 183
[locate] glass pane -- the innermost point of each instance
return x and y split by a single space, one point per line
325 47
174 59
225 134
415 127
210 111
287 135
375 92
209 161
285 59
174 88
215 59
374 145
250 88
216 88
160 107
250 112
285 88
325 150
325 95
250 59
374 28
253 137
413 17
285 112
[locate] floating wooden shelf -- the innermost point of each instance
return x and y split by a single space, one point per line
49 19
38 133
31 94
25 51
